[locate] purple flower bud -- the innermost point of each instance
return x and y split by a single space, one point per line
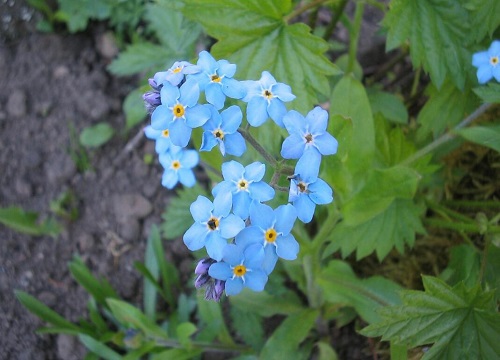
203 265
202 280
214 290
152 100
153 84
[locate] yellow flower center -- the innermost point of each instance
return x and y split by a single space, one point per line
239 270
242 185
176 165
302 187
270 235
213 223
219 134
215 78
494 60
165 133
178 69
179 110
267 94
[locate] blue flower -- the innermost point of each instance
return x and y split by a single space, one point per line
241 267
307 191
178 164
176 73
265 99
216 79
488 63
222 129
179 111
246 185
162 138
271 229
213 226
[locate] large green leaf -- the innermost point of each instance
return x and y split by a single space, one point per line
437 31
340 285
461 322
490 93
394 227
484 17
488 136
254 35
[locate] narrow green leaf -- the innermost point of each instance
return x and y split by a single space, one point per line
176 354
99 348
286 339
264 304
488 135
168 272
184 332
151 286
95 316
27 222
248 326
215 326
140 353
326 352
490 93
133 107
96 135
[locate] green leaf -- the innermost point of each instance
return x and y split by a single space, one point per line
437 31
248 326
96 135
77 13
211 315
394 227
134 108
264 41
99 348
286 339
177 218
266 305
141 56
490 93
132 317
461 322
176 354
389 105
184 331
488 136
326 352
484 17
464 265
340 285
151 286
27 222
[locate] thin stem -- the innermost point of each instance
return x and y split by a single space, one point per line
252 141
333 23
446 137
416 81
471 228
444 210
354 35
471 203
213 347
303 9
484 258
210 168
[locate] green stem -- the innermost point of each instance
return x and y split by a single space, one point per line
206 346
333 23
471 203
416 82
471 228
446 137
252 141
444 210
303 9
354 35
484 258
326 229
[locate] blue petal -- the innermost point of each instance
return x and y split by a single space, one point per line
186 177
233 254
283 92
235 144
231 119
285 218
226 68
231 225
222 204
317 119
308 165
180 133
250 235
287 247
190 93
214 95
208 141
294 122
252 89
161 117
202 78
496 73
207 62
201 209
197 115
261 191
270 259
223 186
262 215
480 59
170 178
293 147
220 271
326 144
232 170
151 133
234 286
162 144
215 245
257 111
241 204
256 280
305 208
189 159
484 74
233 88
195 236
277 110
494 49
321 192
169 94
294 192
254 256
255 171
267 80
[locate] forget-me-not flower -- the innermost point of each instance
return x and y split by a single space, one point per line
213 226
179 111
266 98
241 267
216 79
222 129
488 63
161 137
178 164
176 73
271 228
246 185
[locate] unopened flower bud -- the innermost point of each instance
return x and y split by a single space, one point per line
203 265
201 280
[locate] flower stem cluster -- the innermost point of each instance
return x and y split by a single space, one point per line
243 236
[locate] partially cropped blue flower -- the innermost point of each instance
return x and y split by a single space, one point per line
178 164
213 226
179 111
488 63
222 129
176 73
266 98
241 267
271 228
246 185
307 191
161 137
216 79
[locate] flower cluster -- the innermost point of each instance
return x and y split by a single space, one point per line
243 236
488 63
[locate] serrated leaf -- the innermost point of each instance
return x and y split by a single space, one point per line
395 227
96 135
488 136
264 41
484 17
78 13
490 93
27 222
340 285
437 31
464 265
141 56
461 322
177 217
389 105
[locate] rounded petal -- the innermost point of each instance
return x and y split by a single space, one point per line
277 110
254 256
261 191
226 68
180 133
189 159
267 80
223 186
294 122
170 178
317 120
232 170
189 93
484 74
234 286
220 271
255 171
494 49
285 218
215 244
326 144
151 133
169 94
250 235
222 204
252 89
201 209
480 59
256 280
305 208
208 141
186 177
233 254
241 204
496 73
195 236
162 145
233 88
262 215
257 111
293 147
270 259
235 144
231 119
308 165
207 62
283 92
161 118
231 225
214 95
197 115
287 247
320 192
